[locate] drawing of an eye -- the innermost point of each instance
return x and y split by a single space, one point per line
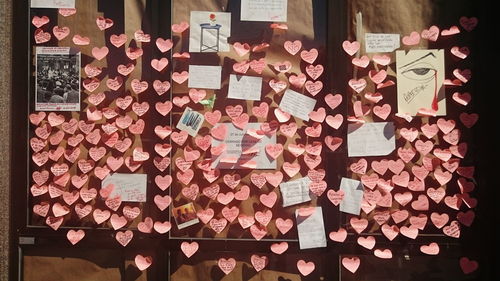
420 72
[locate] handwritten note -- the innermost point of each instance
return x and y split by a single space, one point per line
244 87
296 191
264 10
204 76
311 229
370 139
297 104
353 194
52 4
237 143
381 42
130 187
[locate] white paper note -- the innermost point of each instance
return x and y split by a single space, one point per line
191 121
237 141
311 229
381 42
297 104
353 194
204 76
420 77
130 187
296 191
370 139
208 32
244 87
264 10
52 4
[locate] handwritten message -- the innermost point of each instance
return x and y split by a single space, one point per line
264 10
295 192
244 87
297 104
204 76
381 42
370 139
353 194
130 187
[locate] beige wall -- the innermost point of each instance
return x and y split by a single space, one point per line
5 90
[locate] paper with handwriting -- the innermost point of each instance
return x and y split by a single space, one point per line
297 104
310 228
204 76
381 42
370 139
295 191
244 87
264 10
130 187
353 195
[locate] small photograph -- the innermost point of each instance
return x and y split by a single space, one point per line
191 121
57 79
185 215
209 32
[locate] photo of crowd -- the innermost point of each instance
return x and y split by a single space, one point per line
57 80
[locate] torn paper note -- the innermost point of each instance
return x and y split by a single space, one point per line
264 10
244 87
381 42
204 76
296 191
310 228
370 139
297 104
130 187
353 194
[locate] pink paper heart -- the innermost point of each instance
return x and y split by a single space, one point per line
305 268
309 56
351 48
143 262
226 265
189 249
412 39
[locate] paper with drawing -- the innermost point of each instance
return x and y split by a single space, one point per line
209 31
420 77
297 104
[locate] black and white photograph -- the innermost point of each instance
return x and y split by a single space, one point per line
57 79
